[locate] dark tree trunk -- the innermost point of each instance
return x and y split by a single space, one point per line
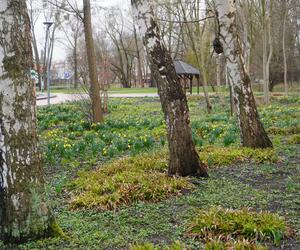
183 158
75 66
90 48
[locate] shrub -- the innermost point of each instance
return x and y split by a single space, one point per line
131 179
284 131
294 139
228 224
229 139
234 245
219 156
149 246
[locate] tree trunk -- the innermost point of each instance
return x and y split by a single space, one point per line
75 66
90 48
24 213
183 158
138 55
36 51
267 42
218 76
252 131
37 60
200 61
284 47
270 45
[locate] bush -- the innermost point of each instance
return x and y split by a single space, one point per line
149 246
131 179
219 156
228 224
294 139
234 245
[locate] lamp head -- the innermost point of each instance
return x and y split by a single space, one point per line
48 24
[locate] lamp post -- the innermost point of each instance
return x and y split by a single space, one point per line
46 59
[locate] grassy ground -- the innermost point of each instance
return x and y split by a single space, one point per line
116 90
85 168
119 90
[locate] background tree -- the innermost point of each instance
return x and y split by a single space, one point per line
90 48
72 29
24 213
34 13
252 131
183 158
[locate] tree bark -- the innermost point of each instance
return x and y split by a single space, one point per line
35 47
183 158
267 42
252 131
284 47
37 60
139 59
200 61
270 54
24 213
90 48
218 76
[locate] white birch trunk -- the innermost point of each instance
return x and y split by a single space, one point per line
23 210
252 131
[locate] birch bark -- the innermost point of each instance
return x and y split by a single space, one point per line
183 158
24 213
251 128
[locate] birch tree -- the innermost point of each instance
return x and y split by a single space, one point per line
183 158
24 213
252 130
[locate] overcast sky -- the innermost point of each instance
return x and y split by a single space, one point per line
59 53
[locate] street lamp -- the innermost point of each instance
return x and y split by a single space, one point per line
47 58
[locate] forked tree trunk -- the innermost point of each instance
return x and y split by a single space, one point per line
252 131
183 158
24 213
90 48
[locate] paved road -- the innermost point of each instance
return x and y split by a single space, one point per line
61 98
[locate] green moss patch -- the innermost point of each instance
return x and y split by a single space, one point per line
219 156
236 245
284 131
228 224
131 179
294 139
149 246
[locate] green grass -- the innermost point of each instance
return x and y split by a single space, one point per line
228 224
144 177
78 157
125 181
132 91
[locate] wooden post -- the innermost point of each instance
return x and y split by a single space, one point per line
198 84
185 81
191 84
